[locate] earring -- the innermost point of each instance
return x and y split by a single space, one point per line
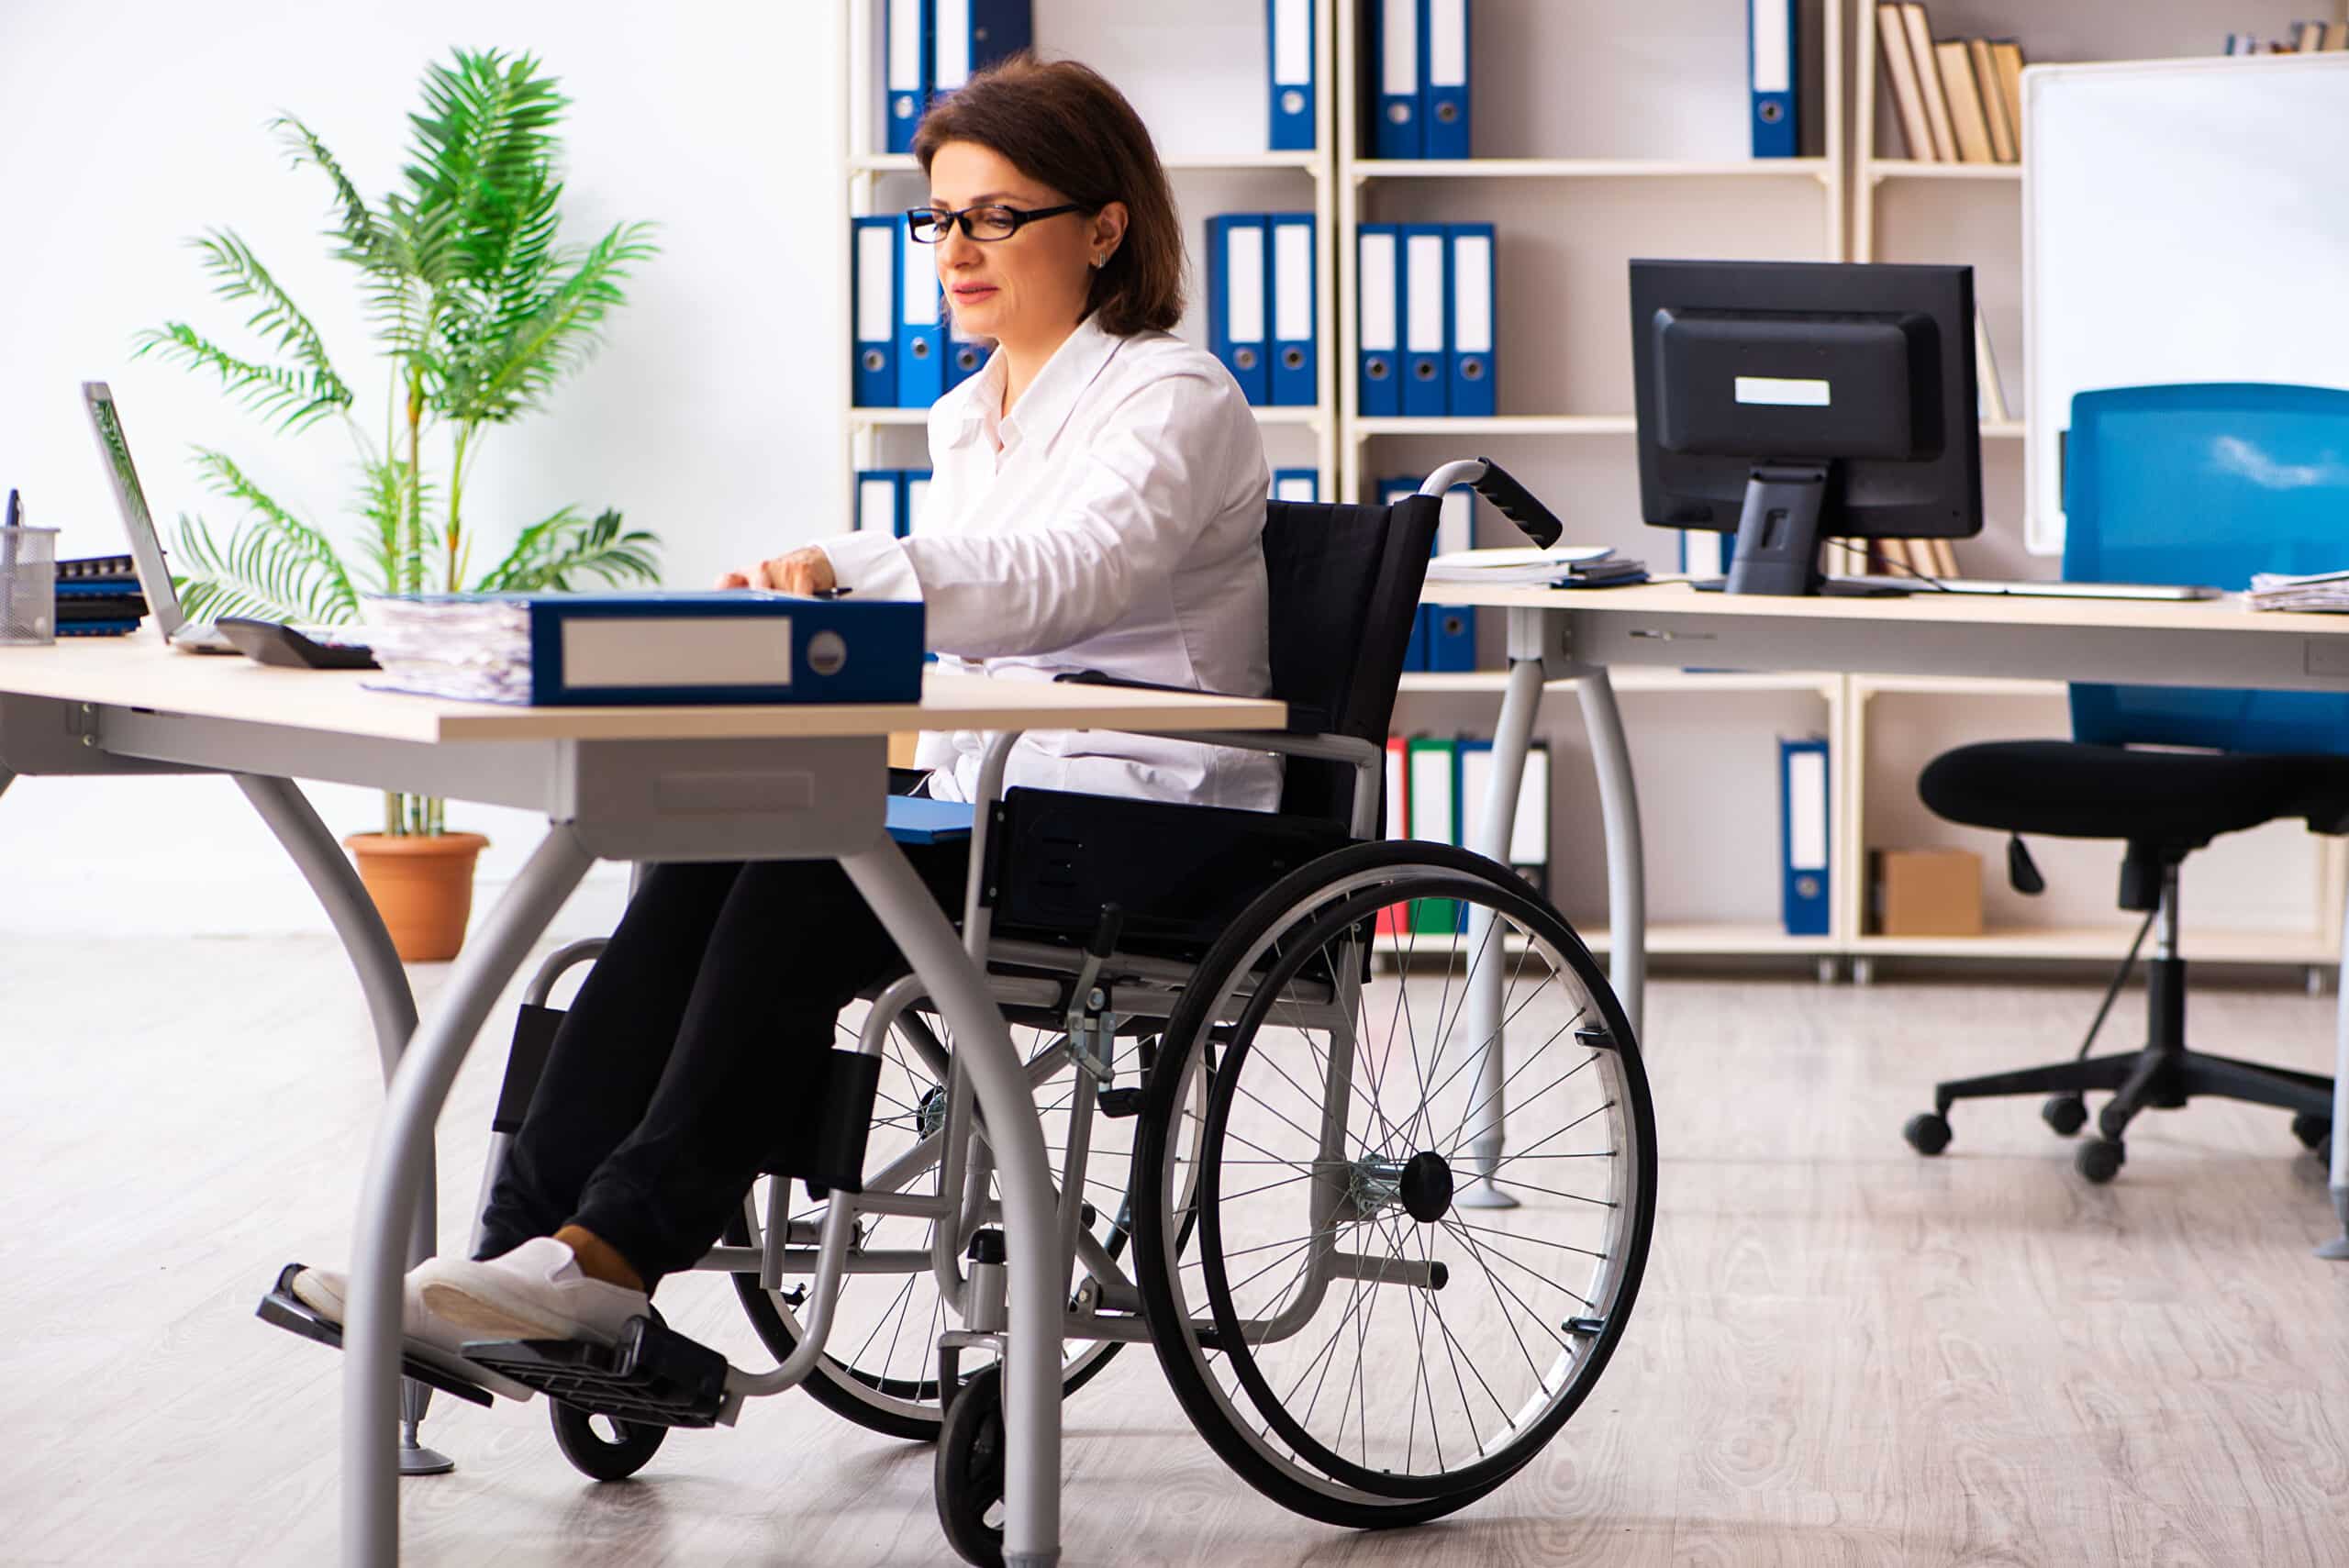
1100 261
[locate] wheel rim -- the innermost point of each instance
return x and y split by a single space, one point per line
1316 1404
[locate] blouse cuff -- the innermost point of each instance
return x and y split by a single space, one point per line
873 565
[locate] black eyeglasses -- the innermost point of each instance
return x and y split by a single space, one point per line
985 224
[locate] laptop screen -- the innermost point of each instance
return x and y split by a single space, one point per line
146 549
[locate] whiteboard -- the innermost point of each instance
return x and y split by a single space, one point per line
2183 221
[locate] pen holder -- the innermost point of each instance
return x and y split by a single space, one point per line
27 586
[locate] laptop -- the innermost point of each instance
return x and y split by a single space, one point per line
146 549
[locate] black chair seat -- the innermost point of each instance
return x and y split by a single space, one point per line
2180 799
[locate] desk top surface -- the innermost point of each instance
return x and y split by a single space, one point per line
1675 598
140 672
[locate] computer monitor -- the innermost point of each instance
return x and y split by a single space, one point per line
1789 402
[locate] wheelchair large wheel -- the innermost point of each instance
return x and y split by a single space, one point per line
1359 1327
881 1370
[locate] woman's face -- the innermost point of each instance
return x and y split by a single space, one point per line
1033 284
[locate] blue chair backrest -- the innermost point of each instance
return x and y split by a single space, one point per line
2208 483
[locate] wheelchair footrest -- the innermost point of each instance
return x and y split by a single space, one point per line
653 1376
282 1308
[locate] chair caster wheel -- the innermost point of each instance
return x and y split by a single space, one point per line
968 1470
1927 1132
2100 1160
2066 1113
2313 1131
603 1448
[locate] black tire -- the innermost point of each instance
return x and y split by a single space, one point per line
600 1458
969 1468
2313 1131
2100 1160
2066 1113
1311 907
1927 1132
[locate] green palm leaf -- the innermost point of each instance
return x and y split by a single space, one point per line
294 398
238 274
275 554
561 331
548 554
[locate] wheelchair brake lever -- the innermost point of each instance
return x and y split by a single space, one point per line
1087 1003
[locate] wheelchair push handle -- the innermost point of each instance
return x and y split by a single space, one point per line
1514 501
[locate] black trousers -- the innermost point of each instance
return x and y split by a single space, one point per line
672 1072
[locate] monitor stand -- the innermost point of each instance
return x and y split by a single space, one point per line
1778 537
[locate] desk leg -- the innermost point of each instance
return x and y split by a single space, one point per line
398 1172
2337 1249
1512 736
1618 807
390 1004
1031 1222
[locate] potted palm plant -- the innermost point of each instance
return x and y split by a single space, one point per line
478 312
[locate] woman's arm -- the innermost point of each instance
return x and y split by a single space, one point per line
1156 476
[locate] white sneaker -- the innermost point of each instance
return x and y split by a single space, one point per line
327 1292
535 1292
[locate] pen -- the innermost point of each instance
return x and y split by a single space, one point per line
830 593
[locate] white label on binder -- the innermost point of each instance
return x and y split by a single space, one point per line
1472 294
1431 797
1784 391
1455 523
952 66
905 46
922 284
917 497
677 651
874 243
1398 49
1423 257
1807 810
876 503
1293 43
1378 325
1243 281
1447 43
1296 487
1292 282
1528 836
1773 71
1395 825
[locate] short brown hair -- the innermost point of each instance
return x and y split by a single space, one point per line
1063 124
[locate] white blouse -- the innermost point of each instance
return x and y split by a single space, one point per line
1112 521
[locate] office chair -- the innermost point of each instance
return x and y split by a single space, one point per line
2186 484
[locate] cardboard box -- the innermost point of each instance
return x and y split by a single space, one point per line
1925 893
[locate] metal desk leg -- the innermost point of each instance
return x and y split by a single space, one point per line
1512 734
1618 807
2338 1248
1030 1228
390 1004
396 1171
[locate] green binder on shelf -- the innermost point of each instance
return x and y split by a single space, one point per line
1433 799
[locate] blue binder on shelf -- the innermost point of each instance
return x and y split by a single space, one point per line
1237 274
1704 553
1426 294
1469 387
1803 835
921 328
874 244
1394 39
1296 484
905 51
913 491
1770 57
1296 374
880 495
966 356
1451 629
1289 55
1443 103
1378 382
971 35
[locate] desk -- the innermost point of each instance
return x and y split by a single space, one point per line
624 784
1582 633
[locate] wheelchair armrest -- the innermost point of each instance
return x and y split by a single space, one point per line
1302 720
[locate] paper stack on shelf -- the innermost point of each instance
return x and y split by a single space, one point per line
2316 590
1527 567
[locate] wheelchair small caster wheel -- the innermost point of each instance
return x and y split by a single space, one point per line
1927 1132
968 1470
2100 1160
2313 1131
603 1448
2066 1113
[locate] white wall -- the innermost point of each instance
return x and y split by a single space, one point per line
699 419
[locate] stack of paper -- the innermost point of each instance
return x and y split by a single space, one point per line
1521 568
2317 591
449 646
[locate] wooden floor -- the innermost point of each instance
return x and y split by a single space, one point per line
1842 1354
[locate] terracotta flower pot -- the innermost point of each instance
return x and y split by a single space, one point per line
422 885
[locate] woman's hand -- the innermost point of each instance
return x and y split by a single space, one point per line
803 571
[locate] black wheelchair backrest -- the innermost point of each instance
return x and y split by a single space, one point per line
1345 585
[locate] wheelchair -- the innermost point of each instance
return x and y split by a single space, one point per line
1275 1143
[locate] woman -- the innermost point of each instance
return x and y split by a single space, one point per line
1096 503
